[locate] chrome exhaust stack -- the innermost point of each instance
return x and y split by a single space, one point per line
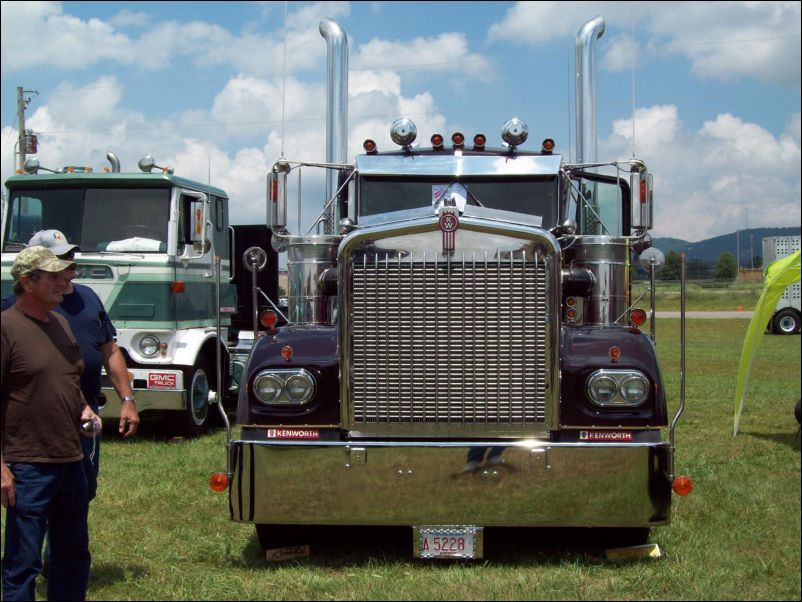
586 142
310 256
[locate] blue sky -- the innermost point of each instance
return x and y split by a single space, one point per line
198 85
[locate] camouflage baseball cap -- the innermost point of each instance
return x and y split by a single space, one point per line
53 240
37 258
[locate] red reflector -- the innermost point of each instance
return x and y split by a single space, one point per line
637 317
178 286
682 485
268 318
218 482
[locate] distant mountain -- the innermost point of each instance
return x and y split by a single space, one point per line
711 249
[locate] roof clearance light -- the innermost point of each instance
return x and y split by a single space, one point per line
369 146
479 142
682 485
458 139
437 142
403 131
515 132
218 482
548 145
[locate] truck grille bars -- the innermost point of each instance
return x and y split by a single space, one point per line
444 346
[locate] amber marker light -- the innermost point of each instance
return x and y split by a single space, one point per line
437 141
682 485
369 146
614 353
637 317
458 139
218 482
548 145
268 319
479 142
287 352
178 286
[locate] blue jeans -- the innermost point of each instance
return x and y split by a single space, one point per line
54 496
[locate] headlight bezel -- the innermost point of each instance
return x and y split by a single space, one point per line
283 376
144 341
619 377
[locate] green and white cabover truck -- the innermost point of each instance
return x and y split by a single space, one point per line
148 247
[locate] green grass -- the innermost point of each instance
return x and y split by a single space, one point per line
701 295
158 531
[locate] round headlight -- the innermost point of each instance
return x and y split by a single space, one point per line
149 346
602 389
300 387
635 389
267 387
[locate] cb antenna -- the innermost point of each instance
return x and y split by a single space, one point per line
284 78
632 33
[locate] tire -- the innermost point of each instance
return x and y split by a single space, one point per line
195 419
786 322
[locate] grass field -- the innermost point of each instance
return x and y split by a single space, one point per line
158 532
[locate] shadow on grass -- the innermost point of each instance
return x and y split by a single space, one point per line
791 439
156 427
105 575
350 547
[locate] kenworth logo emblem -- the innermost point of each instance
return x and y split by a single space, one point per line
449 222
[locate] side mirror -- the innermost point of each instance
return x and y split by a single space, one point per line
277 196
642 199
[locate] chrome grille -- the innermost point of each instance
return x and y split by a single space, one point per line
439 345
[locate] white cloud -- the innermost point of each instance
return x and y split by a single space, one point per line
447 52
727 175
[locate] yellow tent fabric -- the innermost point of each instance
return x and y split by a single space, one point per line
779 275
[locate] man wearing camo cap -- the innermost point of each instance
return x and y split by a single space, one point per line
42 479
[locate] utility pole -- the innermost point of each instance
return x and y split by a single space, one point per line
24 137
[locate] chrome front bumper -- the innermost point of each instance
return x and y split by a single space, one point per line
392 483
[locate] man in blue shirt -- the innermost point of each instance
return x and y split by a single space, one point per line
95 333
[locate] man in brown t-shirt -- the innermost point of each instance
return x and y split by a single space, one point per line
42 478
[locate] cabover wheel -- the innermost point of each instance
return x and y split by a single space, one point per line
195 420
786 322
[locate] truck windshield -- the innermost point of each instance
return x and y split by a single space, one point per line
533 196
96 219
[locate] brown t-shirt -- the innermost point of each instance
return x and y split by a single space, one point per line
41 389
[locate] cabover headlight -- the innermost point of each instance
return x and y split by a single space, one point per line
617 388
284 387
149 346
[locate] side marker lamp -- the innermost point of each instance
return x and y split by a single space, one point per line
614 353
637 317
682 485
268 319
218 482
287 353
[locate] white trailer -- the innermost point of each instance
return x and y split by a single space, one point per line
786 318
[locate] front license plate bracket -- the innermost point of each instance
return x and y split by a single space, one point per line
448 541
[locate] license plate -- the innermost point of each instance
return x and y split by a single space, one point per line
447 542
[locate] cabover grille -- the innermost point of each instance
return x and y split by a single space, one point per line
443 346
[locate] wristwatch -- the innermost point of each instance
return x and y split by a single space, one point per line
127 398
